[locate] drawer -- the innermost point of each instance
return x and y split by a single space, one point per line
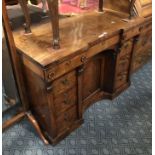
143 42
123 64
139 60
64 83
142 49
126 48
65 100
147 27
66 119
131 33
64 67
121 79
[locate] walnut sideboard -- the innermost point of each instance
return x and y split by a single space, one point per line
95 61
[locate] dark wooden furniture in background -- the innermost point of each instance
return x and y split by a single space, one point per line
94 61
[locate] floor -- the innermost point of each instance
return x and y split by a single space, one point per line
70 7
119 127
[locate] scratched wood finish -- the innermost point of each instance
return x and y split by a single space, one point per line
97 54
77 34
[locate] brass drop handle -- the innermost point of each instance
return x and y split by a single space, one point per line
65 95
123 62
65 81
66 117
127 57
66 102
123 76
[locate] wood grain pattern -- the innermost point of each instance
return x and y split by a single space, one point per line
98 52
78 34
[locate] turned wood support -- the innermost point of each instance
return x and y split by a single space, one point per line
23 4
131 8
100 6
53 12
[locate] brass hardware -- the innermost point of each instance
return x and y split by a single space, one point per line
65 82
65 95
68 62
83 59
123 76
51 75
66 117
127 57
66 101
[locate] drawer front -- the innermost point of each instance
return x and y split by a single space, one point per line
140 59
64 67
65 100
146 27
137 30
123 64
66 119
144 42
121 79
131 33
126 48
64 83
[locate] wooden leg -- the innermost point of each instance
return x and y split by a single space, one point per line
54 17
131 8
18 118
36 126
23 4
13 120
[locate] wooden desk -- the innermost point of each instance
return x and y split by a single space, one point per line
93 63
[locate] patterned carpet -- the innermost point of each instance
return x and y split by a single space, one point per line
70 6
119 127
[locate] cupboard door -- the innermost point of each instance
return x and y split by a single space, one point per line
92 76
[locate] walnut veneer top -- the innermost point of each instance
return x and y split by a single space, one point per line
76 34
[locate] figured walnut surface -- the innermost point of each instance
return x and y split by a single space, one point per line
76 34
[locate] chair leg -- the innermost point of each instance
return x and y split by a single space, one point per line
23 4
